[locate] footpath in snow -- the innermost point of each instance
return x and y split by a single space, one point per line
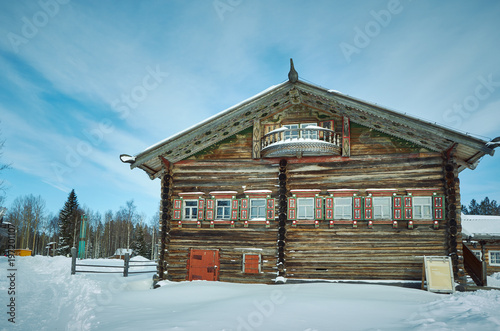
47 297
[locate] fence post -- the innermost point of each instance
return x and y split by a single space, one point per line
125 265
73 260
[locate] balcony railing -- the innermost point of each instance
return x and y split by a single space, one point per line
308 141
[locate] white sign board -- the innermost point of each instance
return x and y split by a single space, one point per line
439 274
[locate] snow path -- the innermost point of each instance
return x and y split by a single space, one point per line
49 298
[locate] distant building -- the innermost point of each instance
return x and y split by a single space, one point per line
120 253
481 234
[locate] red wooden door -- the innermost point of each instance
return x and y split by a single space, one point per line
203 264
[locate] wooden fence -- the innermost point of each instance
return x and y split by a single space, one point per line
126 266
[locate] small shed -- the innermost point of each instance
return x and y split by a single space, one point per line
120 253
51 248
481 234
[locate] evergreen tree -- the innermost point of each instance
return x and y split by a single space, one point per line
68 218
485 207
139 244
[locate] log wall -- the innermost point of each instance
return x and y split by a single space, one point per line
361 253
232 243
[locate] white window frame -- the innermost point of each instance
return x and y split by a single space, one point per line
342 208
290 135
494 256
419 206
382 208
193 215
223 215
305 208
261 211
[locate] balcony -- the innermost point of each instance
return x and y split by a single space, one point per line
309 141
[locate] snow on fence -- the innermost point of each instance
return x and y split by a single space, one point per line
126 266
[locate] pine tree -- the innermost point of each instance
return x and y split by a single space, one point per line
68 218
139 244
485 207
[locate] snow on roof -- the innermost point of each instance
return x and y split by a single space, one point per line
257 191
480 225
222 192
254 97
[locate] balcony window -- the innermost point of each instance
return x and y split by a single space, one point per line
294 133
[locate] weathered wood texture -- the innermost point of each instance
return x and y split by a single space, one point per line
366 141
491 246
389 171
165 217
347 253
220 175
238 146
232 243
453 221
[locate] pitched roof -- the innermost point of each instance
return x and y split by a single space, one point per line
481 226
468 149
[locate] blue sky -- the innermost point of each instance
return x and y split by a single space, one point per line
85 81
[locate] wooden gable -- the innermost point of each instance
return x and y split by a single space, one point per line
229 133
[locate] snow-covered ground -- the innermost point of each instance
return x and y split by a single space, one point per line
47 297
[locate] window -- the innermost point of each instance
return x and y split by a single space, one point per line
382 207
223 209
190 209
477 254
257 208
294 134
422 208
305 208
495 258
251 263
342 208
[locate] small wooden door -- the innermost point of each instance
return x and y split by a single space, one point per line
203 264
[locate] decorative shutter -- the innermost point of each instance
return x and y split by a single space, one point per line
318 209
210 210
346 137
244 208
368 208
357 207
397 208
270 209
408 207
234 209
292 208
177 210
201 209
438 207
329 208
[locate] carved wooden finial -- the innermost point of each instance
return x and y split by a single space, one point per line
293 76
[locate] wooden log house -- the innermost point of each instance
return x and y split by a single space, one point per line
301 182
